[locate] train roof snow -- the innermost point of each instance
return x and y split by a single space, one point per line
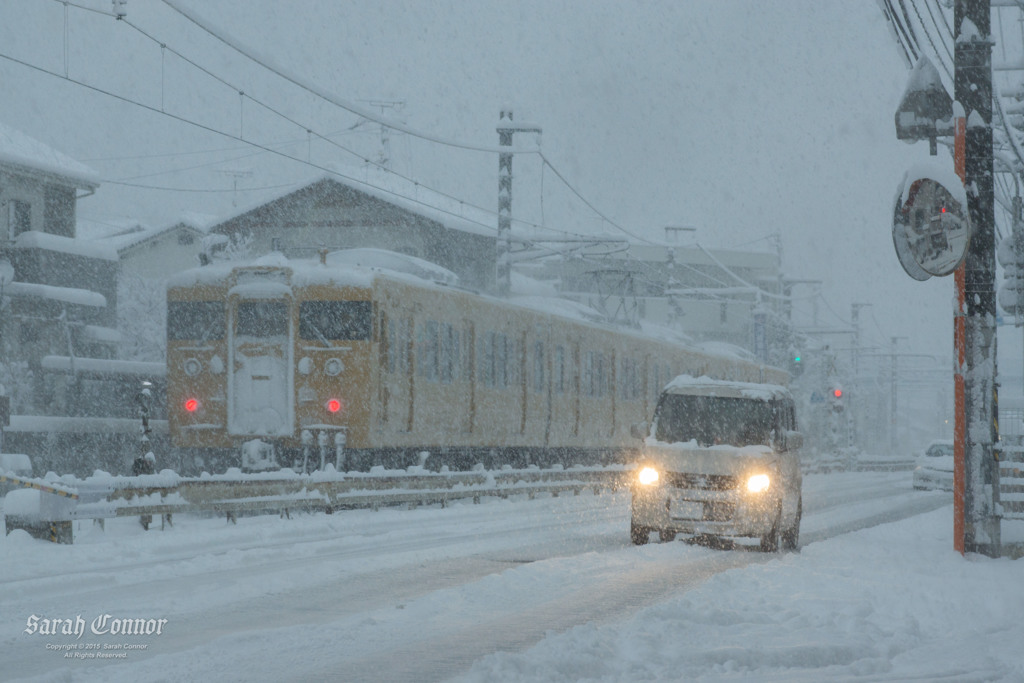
705 386
359 268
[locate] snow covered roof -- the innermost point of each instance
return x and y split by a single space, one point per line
120 235
69 295
66 245
103 366
18 149
401 192
382 259
705 386
358 267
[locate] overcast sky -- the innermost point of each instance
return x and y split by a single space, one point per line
742 119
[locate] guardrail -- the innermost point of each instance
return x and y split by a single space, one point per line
49 514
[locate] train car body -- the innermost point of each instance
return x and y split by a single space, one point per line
365 366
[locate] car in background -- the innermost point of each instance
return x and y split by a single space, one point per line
934 467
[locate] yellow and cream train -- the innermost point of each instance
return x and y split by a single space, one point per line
300 363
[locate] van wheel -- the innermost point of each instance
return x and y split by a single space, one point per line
791 536
667 536
640 535
770 541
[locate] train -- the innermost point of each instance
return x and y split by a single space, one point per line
381 360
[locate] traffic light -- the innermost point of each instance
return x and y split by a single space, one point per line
836 398
796 364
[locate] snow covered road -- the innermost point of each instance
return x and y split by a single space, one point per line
396 595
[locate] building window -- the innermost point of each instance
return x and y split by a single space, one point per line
19 217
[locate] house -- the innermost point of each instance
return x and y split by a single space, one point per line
72 401
155 253
61 295
384 211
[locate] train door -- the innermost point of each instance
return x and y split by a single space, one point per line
261 401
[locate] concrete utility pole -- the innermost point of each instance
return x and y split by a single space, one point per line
894 396
503 274
973 90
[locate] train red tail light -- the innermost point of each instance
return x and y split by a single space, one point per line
191 405
334 405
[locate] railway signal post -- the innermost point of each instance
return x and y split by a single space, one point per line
504 261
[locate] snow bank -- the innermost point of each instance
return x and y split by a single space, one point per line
889 603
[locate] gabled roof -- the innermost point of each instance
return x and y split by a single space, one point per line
395 190
125 235
127 242
20 150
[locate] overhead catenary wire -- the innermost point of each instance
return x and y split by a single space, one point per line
365 113
224 37
265 62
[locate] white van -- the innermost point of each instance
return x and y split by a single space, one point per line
720 459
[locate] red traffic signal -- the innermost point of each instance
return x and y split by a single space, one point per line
837 393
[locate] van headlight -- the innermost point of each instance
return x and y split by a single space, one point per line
648 476
758 483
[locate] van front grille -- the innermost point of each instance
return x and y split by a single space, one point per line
703 482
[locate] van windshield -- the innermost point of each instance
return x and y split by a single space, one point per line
712 420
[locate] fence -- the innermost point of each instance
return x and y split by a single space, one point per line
49 513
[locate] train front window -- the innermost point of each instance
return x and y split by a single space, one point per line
335 320
261 319
195 320
712 420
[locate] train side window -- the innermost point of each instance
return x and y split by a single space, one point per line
466 356
559 370
538 366
629 381
594 376
449 352
501 349
195 320
336 320
427 351
398 345
485 370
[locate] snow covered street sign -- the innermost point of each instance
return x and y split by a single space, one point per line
926 110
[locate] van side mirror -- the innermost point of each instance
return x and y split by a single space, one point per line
639 430
794 441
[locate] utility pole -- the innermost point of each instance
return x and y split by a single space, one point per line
973 91
894 396
503 273
236 174
855 323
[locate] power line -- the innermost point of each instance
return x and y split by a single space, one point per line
221 36
200 190
312 88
